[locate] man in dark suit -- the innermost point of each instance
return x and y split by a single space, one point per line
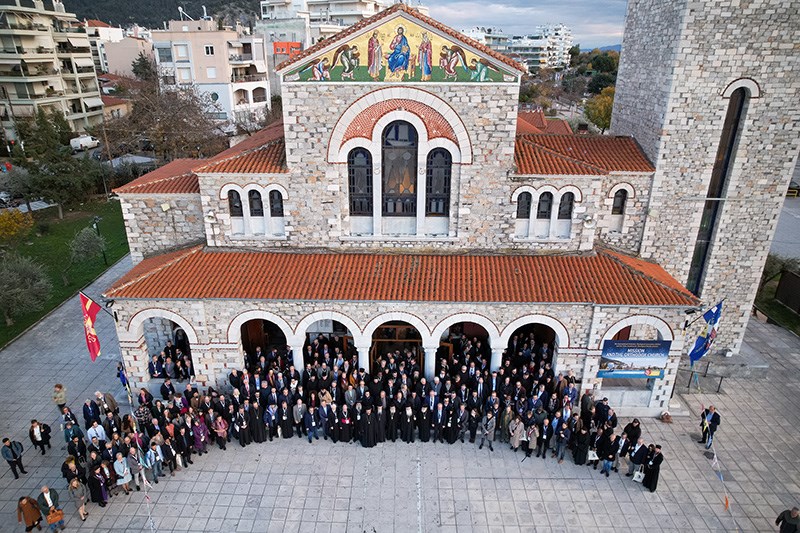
638 453
167 389
12 453
438 421
709 421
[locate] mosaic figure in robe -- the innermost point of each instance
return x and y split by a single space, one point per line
397 59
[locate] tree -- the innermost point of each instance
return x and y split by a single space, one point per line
14 225
600 81
19 182
604 63
86 244
574 52
144 68
598 109
24 285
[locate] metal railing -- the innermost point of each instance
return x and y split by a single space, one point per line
248 77
240 57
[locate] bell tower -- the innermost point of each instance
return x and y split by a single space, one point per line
709 89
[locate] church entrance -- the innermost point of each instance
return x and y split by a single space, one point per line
398 340
461 343
260 336
533 344
327 340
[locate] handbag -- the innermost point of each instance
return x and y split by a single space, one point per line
179 461
638 476
54 516
592 456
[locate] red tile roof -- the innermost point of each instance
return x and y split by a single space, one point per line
176 177
578 155
113 100
264 152
536 122
199 273
94 23
364 123
358 26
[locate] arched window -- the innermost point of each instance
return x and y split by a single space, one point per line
439 170
620 199
524 205
565 206
399 169
359 173
275 203
717 187
545 206
256 205
235 204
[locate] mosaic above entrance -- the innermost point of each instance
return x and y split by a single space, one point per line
399 50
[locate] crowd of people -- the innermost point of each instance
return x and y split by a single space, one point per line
523 405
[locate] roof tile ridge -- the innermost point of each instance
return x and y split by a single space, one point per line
611 255
159 180
248 151
559 154
189 251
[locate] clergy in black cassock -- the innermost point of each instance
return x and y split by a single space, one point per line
380 424
285 420
407 423
258 430
368 429
392 421
652 468
424 423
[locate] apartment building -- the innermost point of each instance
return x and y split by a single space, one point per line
494 38
120 55
228 64
46 62
547 47
559 40
100 35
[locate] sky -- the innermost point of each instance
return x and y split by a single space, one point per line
594 22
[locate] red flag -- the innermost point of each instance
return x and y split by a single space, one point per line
90 310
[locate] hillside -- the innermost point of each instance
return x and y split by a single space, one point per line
153 13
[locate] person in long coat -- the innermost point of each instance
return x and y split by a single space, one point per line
242 425
28 510
652 468
333 424
184 444
285 420
380 424
97 487
407 425
516 429
368 430
358 416
451 426
392 421
220 428
123 473
506 418
200 432
345 425
80 495
474 422
582 442
257 429
424 423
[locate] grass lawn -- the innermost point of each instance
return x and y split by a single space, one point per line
776 311
52 250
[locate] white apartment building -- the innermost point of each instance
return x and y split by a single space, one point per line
100 34
559 38
547 47
494 38
229 65
46 62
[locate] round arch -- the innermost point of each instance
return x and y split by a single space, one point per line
136 323
309 319
522 189
752 87
414 320
624 185
562 336
573 189
484 322
235 327
662 327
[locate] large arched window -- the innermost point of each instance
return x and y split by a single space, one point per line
439 171
524 205
565 206
399 169
275 203
235 204
620 199
545 207
359 173
256 205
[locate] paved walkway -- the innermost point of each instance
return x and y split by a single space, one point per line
293 486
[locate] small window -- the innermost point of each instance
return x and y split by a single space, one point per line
181 51
209 50
359 174
439 170
256 205
565 206
211 72
620 199
524 205
275 203
184 75
235 204
164 55
545 207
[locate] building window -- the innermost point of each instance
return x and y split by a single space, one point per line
184 75
717 187
359 175
545 207
399 169
275 203
256 205
565 206
439 171
524 205
209 50
235 204
620 199
181 51
211 72
164 55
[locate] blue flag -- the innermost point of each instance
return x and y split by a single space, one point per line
704 342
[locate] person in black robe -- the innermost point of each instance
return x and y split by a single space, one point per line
474 421
285 420
258 430
358 420
407 424
345 425
368 431
424 423
582 441
242 424
652 468
451 427
392 420
332 429
380 424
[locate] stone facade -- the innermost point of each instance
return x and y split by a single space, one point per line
155 223
680 61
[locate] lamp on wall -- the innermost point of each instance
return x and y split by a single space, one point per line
589 221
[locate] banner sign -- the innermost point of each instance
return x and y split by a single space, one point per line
634 359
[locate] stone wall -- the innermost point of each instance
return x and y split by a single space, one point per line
678 59
152 230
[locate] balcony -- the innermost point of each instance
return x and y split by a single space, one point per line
23 26
240 58
24 74
248 77
68 29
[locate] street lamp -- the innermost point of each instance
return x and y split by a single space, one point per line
96 225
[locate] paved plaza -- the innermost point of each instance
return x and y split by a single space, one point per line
293 486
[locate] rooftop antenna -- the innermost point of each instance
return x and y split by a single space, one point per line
205 14
184 13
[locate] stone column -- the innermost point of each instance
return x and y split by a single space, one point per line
497 359
363 348
430 362
136 357
297 355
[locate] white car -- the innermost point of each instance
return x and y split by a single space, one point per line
84 142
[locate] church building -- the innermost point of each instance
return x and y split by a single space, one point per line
404 200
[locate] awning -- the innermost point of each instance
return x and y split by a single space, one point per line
93 101
261 68
11 61
83 62
236 44
78 42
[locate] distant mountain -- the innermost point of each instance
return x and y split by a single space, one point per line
610 48
153 13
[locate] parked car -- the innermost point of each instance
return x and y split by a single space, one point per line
84 142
